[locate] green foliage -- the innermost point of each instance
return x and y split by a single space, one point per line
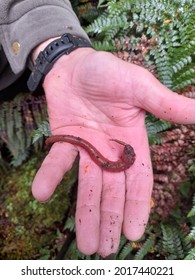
192 211
28 227
70 224
172 242
154 126
124 250
18 118
160 241
192 174
42 130
112 23
191 236
170 22
191 254
146 248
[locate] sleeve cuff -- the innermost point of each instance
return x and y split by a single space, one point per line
20 37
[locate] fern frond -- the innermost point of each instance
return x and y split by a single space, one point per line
146 248
191 235
104 46
124 250
108 27
154 126
171 22
42 130
192 211
172 245
191 255
18 118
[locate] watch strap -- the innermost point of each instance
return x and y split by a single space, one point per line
46 58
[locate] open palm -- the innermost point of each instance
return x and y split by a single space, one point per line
98 97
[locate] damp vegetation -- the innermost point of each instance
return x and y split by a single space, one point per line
156 35
30 229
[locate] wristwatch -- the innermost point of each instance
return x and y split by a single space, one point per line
46 59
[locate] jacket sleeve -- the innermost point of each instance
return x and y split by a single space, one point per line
24 24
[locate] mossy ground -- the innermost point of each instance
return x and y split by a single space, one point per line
29 229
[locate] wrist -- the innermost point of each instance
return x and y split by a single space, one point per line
41 47
47 56
67 62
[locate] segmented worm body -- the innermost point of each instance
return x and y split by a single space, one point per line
126 160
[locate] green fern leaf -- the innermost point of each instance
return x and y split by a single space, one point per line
42 130
172 243
191 255
124 250
192 211
171 22
70 224
147 246
154 126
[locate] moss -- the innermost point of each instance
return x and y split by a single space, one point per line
29 228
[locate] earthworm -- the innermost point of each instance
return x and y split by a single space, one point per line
126 160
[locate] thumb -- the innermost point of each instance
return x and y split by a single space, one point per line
58 161
164 103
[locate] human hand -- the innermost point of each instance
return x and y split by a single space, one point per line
97 96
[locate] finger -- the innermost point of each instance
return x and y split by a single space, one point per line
88 205
59 160
112 207
139 182
163 103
